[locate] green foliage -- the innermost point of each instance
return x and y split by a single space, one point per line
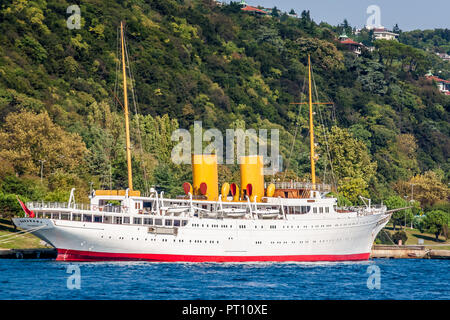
401 217
9 206
399 235
435 40
419 223
383 237
436 222
192 60
351 163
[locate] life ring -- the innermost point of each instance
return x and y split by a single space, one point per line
94 208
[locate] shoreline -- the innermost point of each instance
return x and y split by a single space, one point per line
378 252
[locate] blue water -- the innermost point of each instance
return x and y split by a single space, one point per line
399 279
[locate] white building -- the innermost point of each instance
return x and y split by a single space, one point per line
381 33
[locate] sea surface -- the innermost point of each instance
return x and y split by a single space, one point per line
374 279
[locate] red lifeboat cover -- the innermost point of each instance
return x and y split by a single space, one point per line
186 187
203 188
233 189
249 189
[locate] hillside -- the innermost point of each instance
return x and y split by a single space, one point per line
194 60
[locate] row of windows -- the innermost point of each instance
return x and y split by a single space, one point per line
174 240
321 209
256 242
307 241
298 210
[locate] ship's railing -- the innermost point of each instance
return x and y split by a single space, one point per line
299 185
363 210
74 206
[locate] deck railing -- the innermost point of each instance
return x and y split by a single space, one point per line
299 185
74 206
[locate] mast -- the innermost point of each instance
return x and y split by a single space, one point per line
311 129
125 98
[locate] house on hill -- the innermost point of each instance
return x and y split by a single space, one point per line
257 11
443 56
443 85
350 44
381 33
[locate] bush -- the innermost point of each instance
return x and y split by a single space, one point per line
9 206
418 223
436 222
383 238
399 235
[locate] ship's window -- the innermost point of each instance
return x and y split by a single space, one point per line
76 217
183 223
320 209
168 222
65 216
126 220
118 220
96 218
314 210
148 221
158 222
327 210
137 220
87 218
176 223
107 219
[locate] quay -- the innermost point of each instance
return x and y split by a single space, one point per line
378 252
42 253
407 252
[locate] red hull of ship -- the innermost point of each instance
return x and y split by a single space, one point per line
75 255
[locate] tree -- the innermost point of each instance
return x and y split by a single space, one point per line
275 12
428 188
346 28
305 16
436 222
353 187
396 29
27 137
9 206
324 54
349 156
399 235
399 217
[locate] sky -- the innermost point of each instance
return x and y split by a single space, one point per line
408 14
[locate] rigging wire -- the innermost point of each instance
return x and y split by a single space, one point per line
21 234
297 120
325 130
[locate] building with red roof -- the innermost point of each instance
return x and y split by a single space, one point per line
351 45
443 85
254 10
